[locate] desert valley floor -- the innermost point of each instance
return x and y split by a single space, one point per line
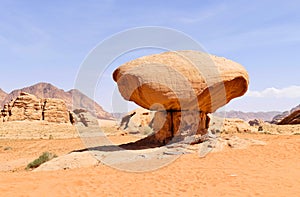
272 169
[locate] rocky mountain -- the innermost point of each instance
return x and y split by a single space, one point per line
2 95
265 116
288 117
74 98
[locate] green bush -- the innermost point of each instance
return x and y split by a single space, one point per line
46 156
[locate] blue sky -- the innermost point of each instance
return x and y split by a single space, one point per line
48 40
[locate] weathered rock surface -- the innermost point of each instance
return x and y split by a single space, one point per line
293 118
137 121
280 117
288 117
24 107
29 107
82 117
182 80
183 87
74 99
55 110
169 124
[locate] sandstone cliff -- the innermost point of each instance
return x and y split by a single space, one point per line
46 90
288 117
28 107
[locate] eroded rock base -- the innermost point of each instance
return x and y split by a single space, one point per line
169 124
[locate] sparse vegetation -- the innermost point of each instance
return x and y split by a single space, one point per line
296 133
260 128
46 156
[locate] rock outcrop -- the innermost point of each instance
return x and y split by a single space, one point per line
293 118
55 110
256 122
74 99
288 117
182 86
136 120
24 107
83 117
29 107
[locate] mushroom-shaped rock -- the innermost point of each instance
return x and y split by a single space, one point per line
176 79
180 83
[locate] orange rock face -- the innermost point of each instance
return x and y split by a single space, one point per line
183 86
29 107
181 80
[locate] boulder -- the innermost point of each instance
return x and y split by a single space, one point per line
182 86
256 122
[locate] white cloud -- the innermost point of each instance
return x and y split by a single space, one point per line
288 92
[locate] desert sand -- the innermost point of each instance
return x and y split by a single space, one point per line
263 170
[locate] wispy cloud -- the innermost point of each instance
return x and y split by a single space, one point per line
288 92
202 15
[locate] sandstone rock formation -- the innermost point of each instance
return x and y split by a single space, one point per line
74 99
293 118
29 107
288 117
55 110
136 120
182 86
24 107
82 117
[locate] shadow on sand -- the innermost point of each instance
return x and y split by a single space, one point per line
146 143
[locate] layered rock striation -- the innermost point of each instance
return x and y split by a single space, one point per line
29 107
182 87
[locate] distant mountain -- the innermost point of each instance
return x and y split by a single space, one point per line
265 116
2 95
47 90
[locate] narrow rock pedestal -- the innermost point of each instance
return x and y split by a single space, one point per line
168 124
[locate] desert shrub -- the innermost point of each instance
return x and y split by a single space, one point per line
260 128
46 156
